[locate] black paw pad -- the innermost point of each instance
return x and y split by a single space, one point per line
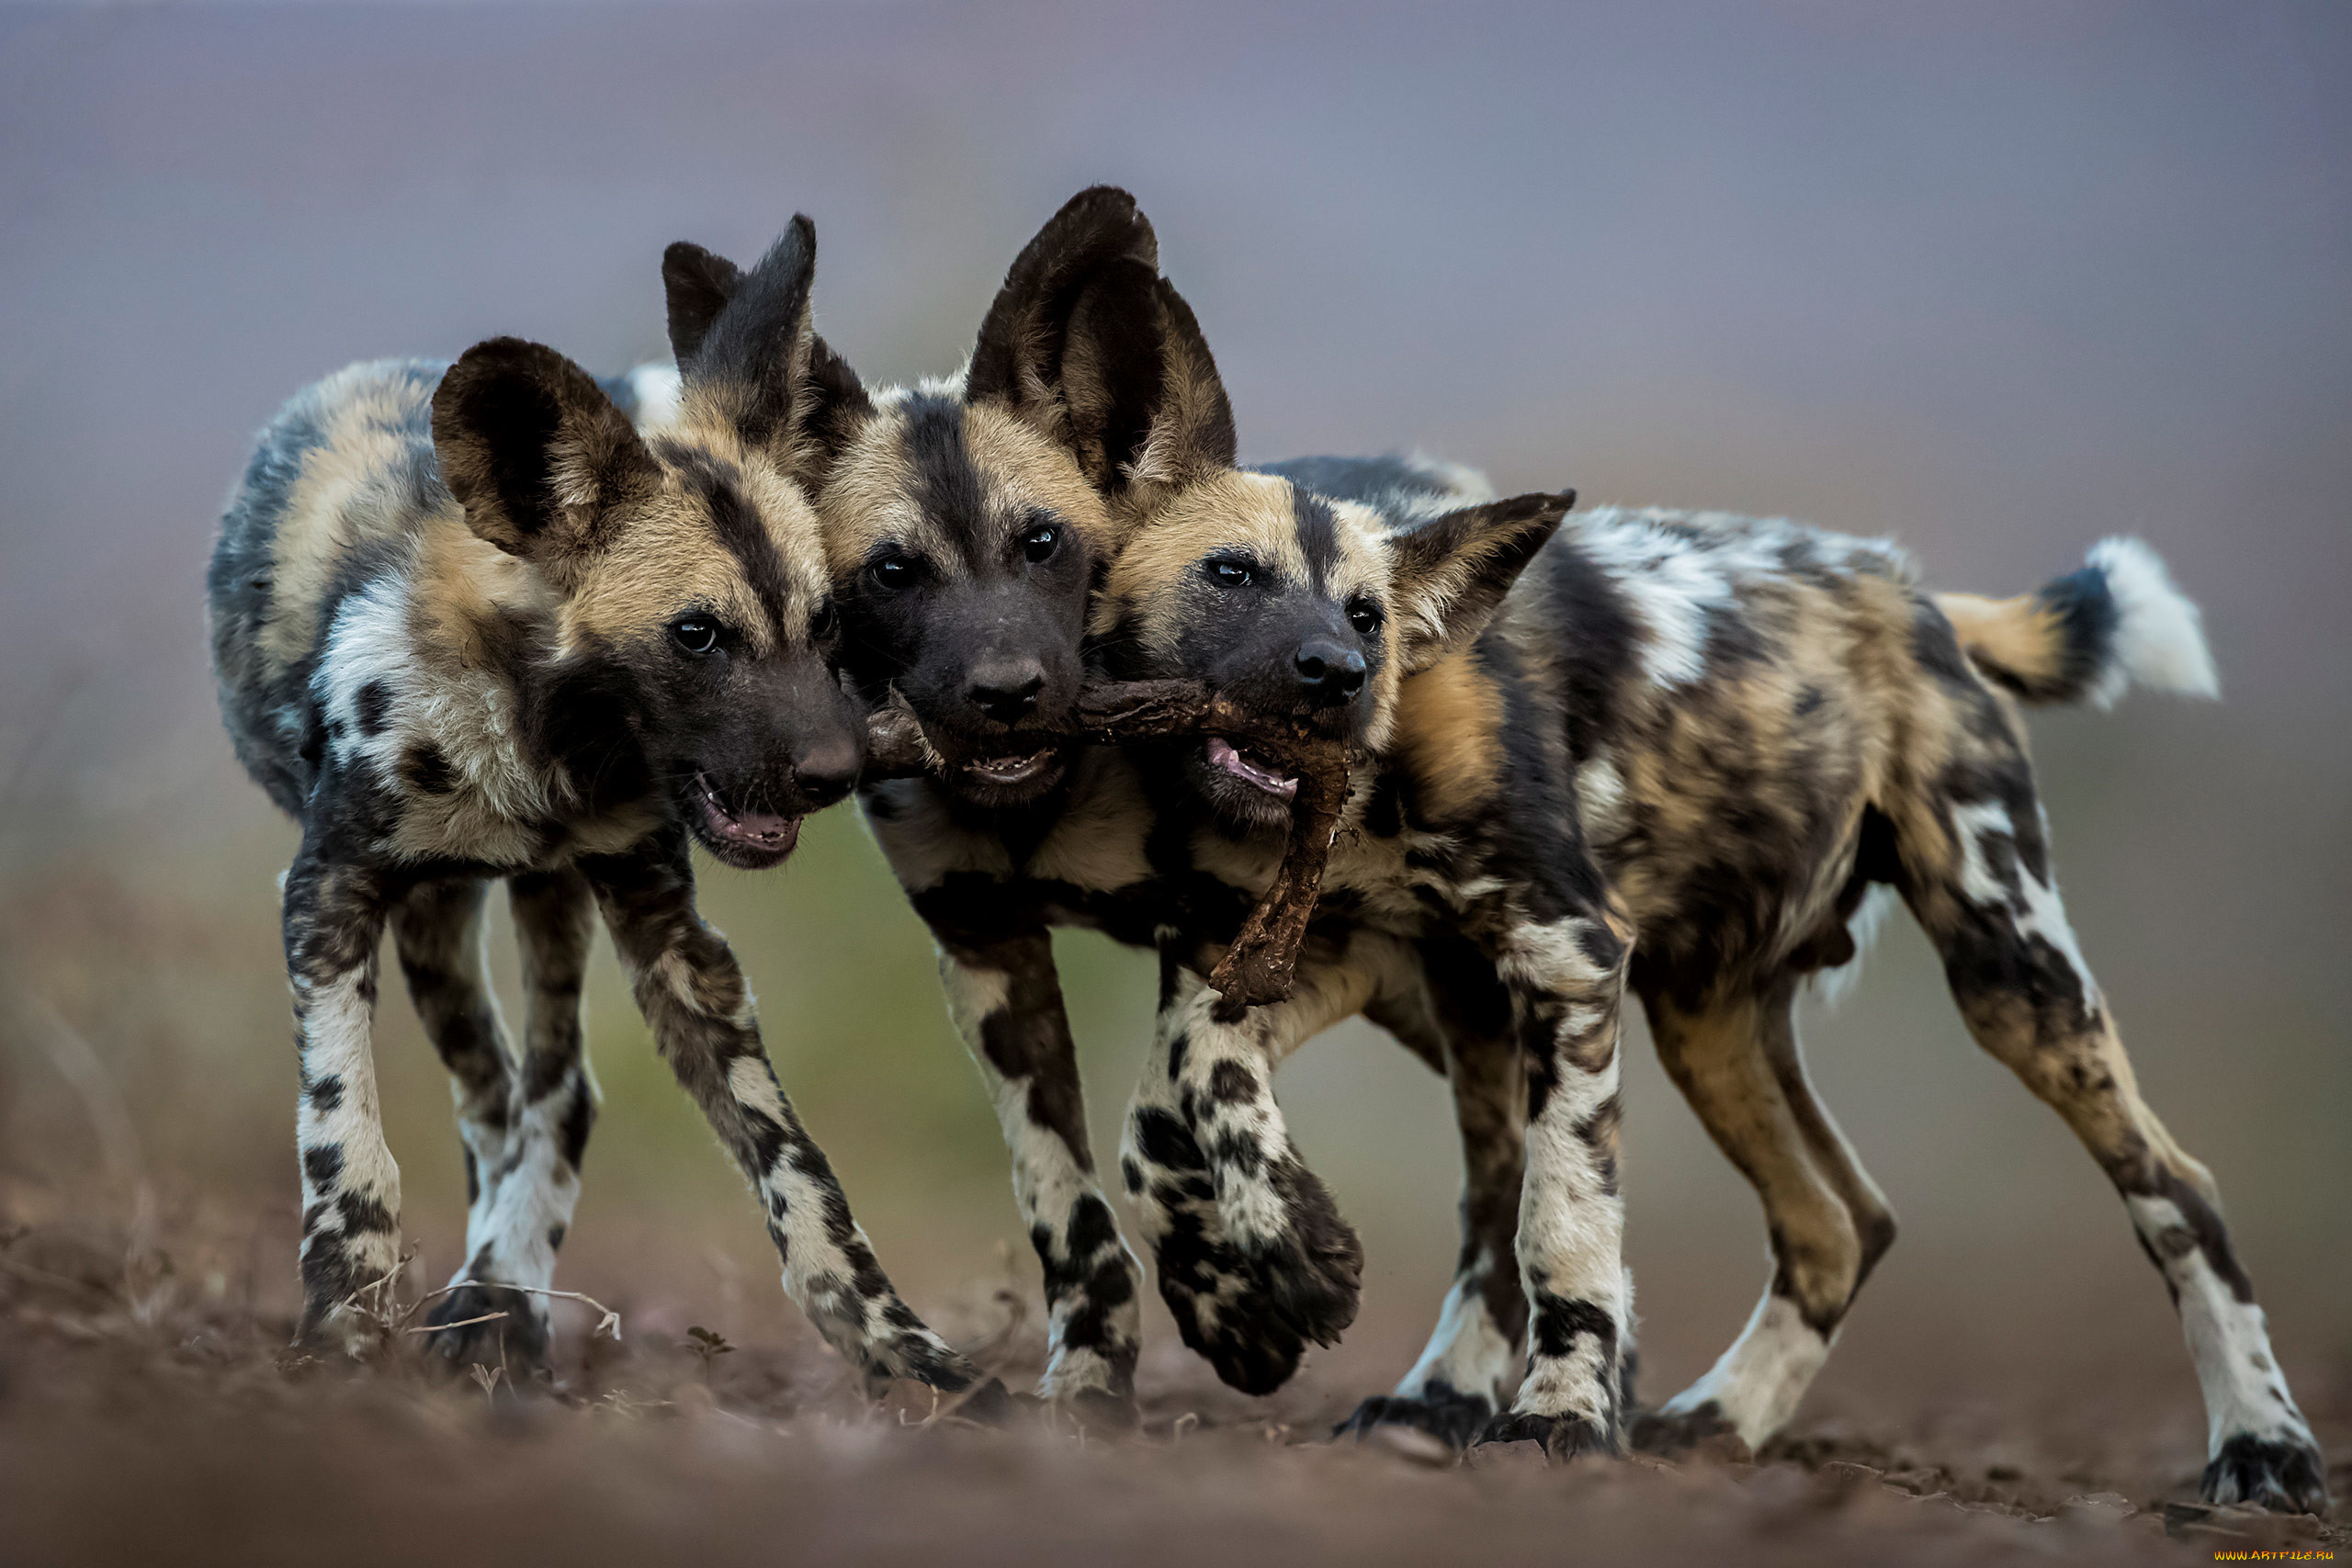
2277 1474
1562 1436
478 1336
1453 1418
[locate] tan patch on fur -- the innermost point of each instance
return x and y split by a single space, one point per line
1233 511
2020 634
666 557
349 493
1020 468
871 498
1446 736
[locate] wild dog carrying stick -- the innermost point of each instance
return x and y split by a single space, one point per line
1260 965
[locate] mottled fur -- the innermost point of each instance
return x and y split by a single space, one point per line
1678 758
468 625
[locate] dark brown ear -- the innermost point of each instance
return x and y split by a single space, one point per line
1090 345
535 451
1451 572
699 283
756 361
754 355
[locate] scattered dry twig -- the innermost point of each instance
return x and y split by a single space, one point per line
461 1323
609 1325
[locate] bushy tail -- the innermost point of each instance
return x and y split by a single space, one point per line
2090 636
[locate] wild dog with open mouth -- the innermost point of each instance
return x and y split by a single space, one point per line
966 520
1677 761
468 625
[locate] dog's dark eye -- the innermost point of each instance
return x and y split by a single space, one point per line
697 634
893 573
1365 615
1040 542
1228 572
824 620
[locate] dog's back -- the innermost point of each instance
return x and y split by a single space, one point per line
339 485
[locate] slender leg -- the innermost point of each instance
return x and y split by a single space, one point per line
1567 980
1471 1362
1977 874
1006 1000
1254 1258
438 931
523 1125
1736 1061
351 1189
694 996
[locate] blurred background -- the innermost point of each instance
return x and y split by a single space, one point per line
1996 280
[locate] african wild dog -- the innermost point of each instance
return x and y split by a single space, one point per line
965 521
468 625
1679 758
1680 755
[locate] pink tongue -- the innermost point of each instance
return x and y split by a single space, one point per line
762 825
1222 754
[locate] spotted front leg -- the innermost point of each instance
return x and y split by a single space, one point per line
1567 981
701 1011
525 1124
1471 1362
1006 1000
351 1189
1254 1258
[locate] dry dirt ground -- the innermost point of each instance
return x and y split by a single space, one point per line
153 1414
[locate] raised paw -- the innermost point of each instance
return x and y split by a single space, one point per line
1678 1431
1215 1298
467 1330
1562 1438
2283 1474
1453 1417
1309 1274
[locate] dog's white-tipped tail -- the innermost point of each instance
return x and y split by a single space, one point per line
2159 638
2092 635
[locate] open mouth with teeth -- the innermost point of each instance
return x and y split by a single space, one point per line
1251 768
744 838
1011 770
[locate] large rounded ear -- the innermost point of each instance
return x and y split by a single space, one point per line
697 283
535 451
756 363
1450 574
1087 343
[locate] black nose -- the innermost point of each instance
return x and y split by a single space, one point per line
1330 673
826 771
1007 692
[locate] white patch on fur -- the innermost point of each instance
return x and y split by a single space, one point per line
2159 633
2228 1340
1600 796
2036 908
658 390
1834 986
1551 957
1760 1381
1465 1351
